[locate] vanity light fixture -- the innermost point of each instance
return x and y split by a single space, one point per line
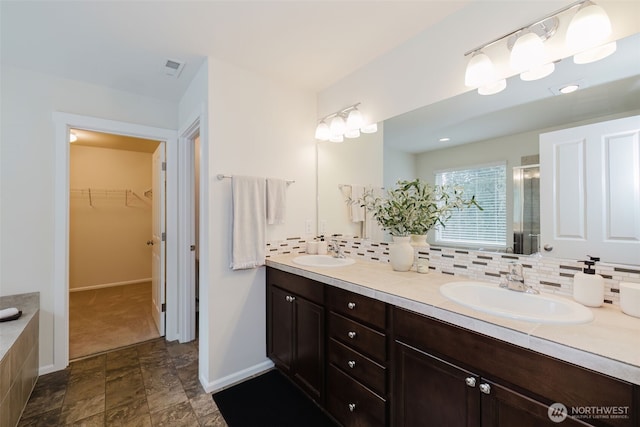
348 122
586 35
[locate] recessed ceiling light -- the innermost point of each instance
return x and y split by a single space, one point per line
444 139
569 87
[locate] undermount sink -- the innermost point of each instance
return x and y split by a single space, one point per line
322 261
542 308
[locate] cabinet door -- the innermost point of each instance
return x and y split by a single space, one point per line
590 191
280 328
308 365
431 392
503 407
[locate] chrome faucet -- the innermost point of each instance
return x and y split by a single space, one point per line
336 249
514 280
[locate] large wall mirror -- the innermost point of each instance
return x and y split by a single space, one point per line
501 129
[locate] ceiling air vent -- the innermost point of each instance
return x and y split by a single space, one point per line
173 67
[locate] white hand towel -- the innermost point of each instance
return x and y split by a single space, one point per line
276 200
249 222
8 312
357 211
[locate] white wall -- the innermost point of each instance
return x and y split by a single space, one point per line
28 168
431 66
108 232
262 128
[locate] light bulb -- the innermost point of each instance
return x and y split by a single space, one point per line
353 133
595 53
338 126
322 131
354 120
538 73
370 128
493 87
480 71
528 53
589 27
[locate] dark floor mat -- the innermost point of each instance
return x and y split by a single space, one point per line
269 400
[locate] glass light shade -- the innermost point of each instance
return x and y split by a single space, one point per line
595 54
480 71
528 53
352 133
589 27
371 128
338 126
322 131
538 73
336 138
493 87
354 120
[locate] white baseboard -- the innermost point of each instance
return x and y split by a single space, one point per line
43 370
236 377
109 285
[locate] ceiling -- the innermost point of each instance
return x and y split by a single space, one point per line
125 44
95 139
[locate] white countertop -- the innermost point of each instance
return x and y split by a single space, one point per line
609 344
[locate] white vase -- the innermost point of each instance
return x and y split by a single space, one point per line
401 253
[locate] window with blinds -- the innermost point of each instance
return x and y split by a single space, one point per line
487 227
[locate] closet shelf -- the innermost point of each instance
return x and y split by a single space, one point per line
94 193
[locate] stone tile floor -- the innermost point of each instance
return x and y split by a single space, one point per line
150 384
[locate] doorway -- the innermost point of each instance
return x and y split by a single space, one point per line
116 246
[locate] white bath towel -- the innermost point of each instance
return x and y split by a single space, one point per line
357 211
249 222
276 200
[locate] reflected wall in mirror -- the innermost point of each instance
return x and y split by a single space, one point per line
526 209
483 130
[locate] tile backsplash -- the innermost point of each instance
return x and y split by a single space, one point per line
545 273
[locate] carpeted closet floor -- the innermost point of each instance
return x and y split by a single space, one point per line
109 318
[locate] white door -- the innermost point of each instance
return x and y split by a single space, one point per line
590 191
158 242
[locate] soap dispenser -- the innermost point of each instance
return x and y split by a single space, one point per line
588 287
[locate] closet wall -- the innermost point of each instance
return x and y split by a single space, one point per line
110 228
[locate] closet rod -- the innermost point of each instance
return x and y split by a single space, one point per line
221 177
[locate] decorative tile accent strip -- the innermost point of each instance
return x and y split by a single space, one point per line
553 275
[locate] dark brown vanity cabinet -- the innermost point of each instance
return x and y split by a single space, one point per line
357 365
445 376
295 329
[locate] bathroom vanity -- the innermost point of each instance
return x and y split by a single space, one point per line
375 347
18 356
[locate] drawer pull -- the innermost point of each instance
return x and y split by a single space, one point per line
351 305
485 388
352 407
351 363
351 334
471 382
289 298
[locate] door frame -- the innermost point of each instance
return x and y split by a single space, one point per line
63 123
186 291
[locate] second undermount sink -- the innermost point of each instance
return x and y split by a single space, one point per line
542 308
322 261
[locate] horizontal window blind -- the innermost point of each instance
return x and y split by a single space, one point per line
473 226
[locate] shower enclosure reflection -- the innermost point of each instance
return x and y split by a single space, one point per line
526 209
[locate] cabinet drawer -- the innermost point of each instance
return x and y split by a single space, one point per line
360 367
310 289
356 335
357 307
351 403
